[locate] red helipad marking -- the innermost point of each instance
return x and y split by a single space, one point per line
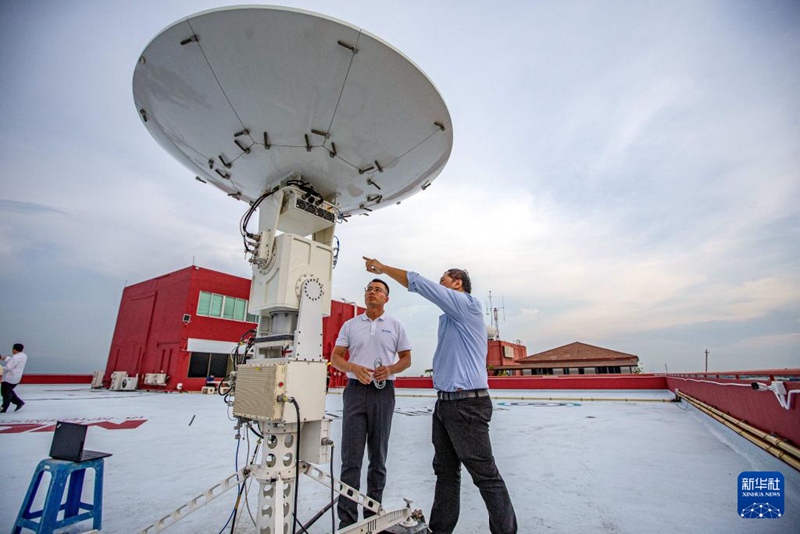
49 425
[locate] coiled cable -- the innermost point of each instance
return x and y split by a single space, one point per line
380 384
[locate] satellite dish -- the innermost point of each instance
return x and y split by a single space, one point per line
246 96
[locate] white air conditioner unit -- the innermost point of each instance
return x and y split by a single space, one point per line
130 383
155 379
117 377
97 380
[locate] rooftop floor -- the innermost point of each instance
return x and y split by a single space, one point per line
572 466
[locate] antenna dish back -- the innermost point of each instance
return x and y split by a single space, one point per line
245 96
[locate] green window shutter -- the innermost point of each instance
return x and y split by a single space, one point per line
230 303
216 306
203 303
239 309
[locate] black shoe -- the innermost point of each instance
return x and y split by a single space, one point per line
3 410
20 405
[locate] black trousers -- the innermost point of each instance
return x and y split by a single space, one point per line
9 395
460 435
367 422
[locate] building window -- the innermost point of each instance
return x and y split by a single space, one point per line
224 307
203 364
216 306
566 370
203 303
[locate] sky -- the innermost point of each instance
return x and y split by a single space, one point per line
623 174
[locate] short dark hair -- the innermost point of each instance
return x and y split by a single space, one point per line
381 282
463 275
18 347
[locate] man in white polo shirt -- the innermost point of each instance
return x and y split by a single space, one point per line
379 349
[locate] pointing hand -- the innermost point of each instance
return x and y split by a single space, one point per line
373 265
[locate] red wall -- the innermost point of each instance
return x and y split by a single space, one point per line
758 408
56 379
201 327
555 382
340 313
151 337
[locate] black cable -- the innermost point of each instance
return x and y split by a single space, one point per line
319 514
335 252
296 465
226 380
256 432
307 188
246 219
248 339
236 506
252 461
333 512
242 488
236 465
325 508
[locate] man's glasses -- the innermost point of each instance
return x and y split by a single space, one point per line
374 289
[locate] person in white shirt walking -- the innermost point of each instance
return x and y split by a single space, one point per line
12 375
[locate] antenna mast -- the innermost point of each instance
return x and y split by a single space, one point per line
492 311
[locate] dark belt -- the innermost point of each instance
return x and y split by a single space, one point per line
355 383
462 394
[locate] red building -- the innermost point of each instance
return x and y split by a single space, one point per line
181 327
502 356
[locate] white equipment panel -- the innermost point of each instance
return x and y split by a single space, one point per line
296 260
260 384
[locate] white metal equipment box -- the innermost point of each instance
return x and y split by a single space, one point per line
260 383
297 259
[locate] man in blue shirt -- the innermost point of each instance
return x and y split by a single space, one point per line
460 431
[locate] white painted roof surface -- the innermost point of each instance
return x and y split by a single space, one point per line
571 466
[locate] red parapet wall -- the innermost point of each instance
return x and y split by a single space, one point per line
737 398
579 382
554 382
56 379
414 382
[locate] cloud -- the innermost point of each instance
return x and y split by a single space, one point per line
758 344
26 208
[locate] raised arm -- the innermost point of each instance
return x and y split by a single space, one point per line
398 275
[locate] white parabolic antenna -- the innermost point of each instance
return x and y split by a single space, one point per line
246 96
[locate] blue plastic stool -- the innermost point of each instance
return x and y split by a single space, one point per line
61 473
